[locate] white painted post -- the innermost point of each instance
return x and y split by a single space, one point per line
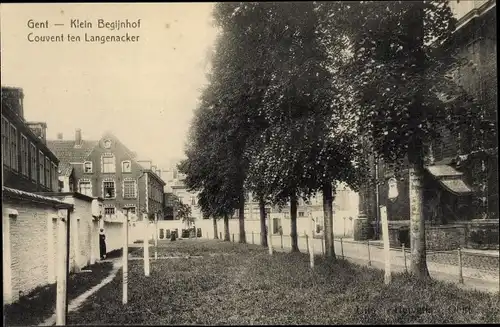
51 255
61 270
311 243
7 254
146 245
156 236
125 259
269 234
387 250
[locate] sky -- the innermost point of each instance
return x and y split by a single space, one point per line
144 92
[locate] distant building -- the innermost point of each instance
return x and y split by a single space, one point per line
175 186
108 169
28 164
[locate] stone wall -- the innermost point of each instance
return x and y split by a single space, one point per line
476 234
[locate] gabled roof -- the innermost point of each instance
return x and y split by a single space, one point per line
67 152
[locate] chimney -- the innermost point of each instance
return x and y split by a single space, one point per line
12 98
59 136
78 136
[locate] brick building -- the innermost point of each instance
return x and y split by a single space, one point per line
108 169
28 164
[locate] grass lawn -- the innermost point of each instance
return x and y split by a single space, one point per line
40 303
247 286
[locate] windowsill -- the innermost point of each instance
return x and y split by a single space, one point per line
110 198
108 172
88 172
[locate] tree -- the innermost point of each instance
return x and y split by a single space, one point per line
397 68
303 149
184 213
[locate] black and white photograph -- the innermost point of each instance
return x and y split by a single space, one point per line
250 163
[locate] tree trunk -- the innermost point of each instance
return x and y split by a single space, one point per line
417 224
328 220
241 218
216 234
415 149
293 222
226 228
263 232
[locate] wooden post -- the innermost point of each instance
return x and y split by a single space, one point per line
233 237
404 256
125 259
146 245
307 242
252 238
220 235
342 246
68 240
311 244
322 244
369 258
281 240
269 236
387 250
460 274
62 270
156 236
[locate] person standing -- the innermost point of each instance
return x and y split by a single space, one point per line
102 244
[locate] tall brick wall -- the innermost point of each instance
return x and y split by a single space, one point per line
30 257
34 243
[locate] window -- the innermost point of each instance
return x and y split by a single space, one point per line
108 189
301 213
126 166
87 167
47 171
129 189
85 187
109 211
5 142
41 170
108 163
13 148
24 155
33 162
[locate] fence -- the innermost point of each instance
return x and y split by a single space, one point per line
457 264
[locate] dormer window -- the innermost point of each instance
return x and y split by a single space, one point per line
126 166
87 167
107 144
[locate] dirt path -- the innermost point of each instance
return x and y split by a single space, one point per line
77 302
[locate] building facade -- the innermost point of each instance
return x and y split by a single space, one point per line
108 169
28 164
